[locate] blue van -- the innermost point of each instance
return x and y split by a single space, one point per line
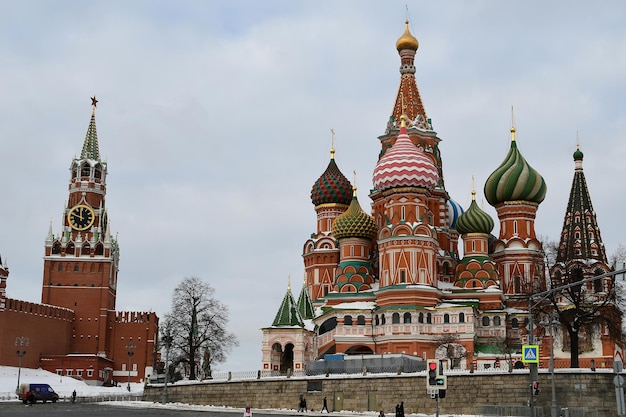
33 392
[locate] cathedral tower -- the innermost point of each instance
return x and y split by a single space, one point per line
515 189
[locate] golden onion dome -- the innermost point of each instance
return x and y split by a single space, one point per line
407 41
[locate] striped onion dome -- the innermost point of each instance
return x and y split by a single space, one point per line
474 220
354 222
515 180
454 211
404 165
332 186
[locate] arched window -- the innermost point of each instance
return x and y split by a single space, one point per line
517 281
597 284
99 249
496 321
377 320
98 172
347 321
56 248
429 318
86 249
395 318
360 320
420 318
514 323
486 321
383 320
85 170
407 318
461 317
446 318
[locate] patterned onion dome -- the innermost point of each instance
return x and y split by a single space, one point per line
515 180
454 211
404 165
332 186
474 220
354 222
407 41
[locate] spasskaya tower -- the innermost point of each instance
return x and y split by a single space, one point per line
81 263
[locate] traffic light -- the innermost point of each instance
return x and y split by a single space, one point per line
535 387
433 366
434 379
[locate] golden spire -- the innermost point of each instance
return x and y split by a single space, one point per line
512 125
304 280
354 184
289 282
332 143
473 190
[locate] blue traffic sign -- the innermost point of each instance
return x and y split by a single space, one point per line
530 353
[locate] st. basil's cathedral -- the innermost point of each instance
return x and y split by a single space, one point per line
394 282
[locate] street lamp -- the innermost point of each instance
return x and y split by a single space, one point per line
167 340
130 346
551 321
21 343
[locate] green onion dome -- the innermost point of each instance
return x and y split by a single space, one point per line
332 186
515 180
354 222
578 154
474 220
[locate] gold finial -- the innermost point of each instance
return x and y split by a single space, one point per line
473 190
94 103
354 184
403 120
512 125
304 280
289 282
332 143
577 141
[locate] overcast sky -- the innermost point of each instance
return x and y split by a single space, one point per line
215 117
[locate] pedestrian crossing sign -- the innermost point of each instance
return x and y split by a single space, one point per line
530 353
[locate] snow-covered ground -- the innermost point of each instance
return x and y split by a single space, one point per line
63 385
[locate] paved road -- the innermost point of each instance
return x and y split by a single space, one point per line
59 409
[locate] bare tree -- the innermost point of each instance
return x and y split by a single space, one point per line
448 345
197 325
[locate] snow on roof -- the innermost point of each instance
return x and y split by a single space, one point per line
356 305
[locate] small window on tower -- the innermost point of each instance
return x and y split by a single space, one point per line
75 268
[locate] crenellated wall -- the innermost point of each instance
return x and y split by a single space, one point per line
48 329
465 395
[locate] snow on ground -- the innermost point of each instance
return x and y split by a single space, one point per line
63 385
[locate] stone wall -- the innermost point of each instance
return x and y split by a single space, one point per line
465 395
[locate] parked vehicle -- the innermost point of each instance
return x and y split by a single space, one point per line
31 393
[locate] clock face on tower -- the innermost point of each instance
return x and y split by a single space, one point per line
80 217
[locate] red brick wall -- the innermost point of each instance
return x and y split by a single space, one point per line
48 328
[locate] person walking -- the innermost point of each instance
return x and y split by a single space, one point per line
325 406
74 396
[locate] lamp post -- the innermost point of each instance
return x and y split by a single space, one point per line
130 346
167 340
21 343
551 321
